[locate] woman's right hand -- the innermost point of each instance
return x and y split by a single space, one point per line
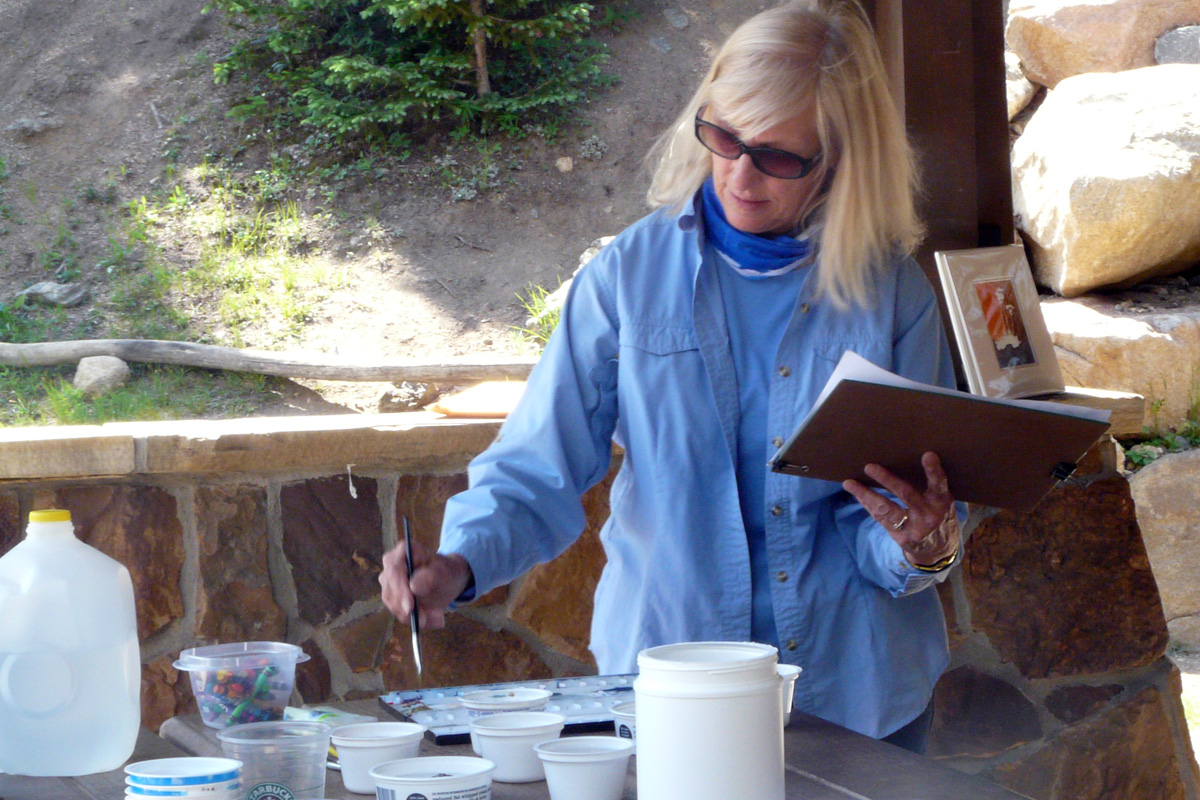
436 580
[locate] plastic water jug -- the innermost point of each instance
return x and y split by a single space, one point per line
709 722
70 669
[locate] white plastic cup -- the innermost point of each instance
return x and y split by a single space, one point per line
435 778
286 755
586 767
789 673
625 721
507 740
365 745
503 701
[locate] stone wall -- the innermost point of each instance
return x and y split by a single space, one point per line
274 529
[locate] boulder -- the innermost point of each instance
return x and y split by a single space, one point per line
1056 39
49 293
1020 90
1164 493
1156 355
97 375
1179 46
1106 178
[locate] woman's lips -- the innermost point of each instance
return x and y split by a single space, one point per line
746 202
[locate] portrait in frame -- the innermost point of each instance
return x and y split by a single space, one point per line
997 321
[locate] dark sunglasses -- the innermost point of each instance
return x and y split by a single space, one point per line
767 160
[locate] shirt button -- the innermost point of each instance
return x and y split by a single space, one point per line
777 441
776 511
804 308
781 576
792 644
784 371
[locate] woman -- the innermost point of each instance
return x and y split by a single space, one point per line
697 340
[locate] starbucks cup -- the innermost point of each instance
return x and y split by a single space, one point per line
279 759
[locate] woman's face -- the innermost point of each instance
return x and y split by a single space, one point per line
758 203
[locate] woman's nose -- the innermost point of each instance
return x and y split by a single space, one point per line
744 169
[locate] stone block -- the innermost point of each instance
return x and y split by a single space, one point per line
980 716
360 642
1056 39
1126 753
1104 179
11 528
165 692
1165 493
1066 589
461 654
138 526
1073 703
423 499
1156 354
314 682
333 542
1179 46
234 597
555 599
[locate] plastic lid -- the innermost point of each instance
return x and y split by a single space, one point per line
239 655
50 515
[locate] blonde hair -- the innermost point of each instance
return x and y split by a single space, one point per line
768 71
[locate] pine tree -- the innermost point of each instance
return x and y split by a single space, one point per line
371 66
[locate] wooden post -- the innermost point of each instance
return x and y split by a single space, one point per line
946 63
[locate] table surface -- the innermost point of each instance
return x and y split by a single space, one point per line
824 762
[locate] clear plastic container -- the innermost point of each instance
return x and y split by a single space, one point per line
279 759
242 682
70 668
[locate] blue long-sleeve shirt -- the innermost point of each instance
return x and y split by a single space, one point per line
642 357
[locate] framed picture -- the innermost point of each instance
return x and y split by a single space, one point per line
994 311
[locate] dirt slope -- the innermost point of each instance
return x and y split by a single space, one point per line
114 86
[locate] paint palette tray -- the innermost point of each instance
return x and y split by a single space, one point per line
586 702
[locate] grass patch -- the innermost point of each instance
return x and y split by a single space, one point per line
45 396
541 319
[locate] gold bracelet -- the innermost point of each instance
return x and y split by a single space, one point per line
940 564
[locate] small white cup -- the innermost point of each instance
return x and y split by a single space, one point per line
507 740
504 701
586 767
363 746
789 673
625 721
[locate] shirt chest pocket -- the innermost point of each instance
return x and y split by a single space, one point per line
661 371
658 340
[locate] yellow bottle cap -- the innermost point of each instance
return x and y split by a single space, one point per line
50 515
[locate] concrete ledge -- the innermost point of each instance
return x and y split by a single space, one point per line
66 452
414 442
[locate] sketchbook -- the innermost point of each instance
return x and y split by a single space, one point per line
996 452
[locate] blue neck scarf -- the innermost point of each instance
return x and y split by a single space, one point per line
762 254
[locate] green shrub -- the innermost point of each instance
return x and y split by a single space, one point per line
375 69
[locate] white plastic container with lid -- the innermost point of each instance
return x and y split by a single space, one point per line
709 722
70 668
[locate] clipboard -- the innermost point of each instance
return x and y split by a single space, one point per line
1003 453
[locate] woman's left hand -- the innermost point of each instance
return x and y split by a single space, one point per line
926 525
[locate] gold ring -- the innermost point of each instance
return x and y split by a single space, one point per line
900 524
